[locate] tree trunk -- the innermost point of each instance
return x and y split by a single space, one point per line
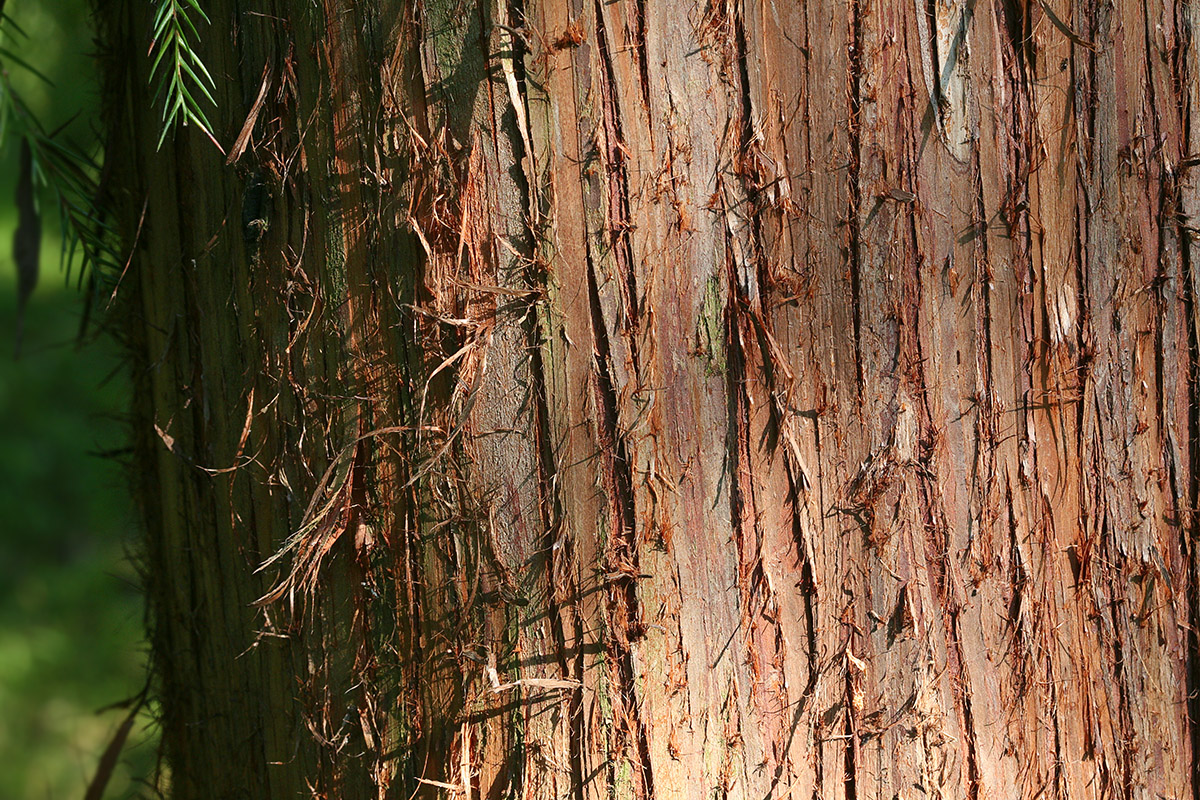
633 399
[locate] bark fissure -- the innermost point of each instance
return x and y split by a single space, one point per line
855 196
516 24
639 17
937 97
562 590
619 225
1189 519
622 569
938 550
1115 612
759 183
850 767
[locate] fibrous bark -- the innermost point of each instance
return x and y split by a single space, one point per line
638 399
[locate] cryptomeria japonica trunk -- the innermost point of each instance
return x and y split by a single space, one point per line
634 399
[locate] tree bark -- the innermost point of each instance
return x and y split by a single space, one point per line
671 400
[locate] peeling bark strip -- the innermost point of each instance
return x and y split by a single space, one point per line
672 400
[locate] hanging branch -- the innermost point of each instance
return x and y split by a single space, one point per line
181 77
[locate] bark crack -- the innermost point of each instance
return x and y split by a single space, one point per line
1188 531
619 224
639 16
622 604
854 123
1128 735
850 778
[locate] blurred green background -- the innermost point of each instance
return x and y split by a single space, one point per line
71 638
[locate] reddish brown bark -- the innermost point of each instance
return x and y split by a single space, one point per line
673 400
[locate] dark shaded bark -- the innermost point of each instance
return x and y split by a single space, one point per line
671 400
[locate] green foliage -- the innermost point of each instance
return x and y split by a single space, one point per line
62 169
181 77
71 632
71 636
